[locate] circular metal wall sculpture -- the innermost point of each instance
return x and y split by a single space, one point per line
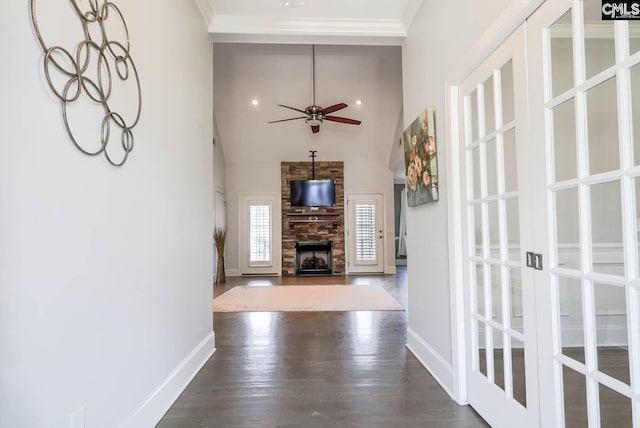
89 69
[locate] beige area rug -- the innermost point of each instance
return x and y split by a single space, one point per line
306 298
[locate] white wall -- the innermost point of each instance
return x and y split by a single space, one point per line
438 39
105 273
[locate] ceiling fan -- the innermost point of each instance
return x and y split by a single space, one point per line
314 114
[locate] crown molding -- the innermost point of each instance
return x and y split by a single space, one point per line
410 12
206 9
243 28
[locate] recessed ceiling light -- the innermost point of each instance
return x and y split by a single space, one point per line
358 102
254 102
293 3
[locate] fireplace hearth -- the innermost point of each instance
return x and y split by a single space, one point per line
314 258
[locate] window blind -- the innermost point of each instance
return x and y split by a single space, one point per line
366 232
259 233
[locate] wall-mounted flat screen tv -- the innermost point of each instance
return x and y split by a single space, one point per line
313 193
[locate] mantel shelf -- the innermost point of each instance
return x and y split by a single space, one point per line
303 218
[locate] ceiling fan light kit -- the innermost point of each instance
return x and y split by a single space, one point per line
316 115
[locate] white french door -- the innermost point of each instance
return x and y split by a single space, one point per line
500 297
557 176
260 234
365 234
585 101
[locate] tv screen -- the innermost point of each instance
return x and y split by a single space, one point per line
313 193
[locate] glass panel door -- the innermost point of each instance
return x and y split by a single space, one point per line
259 251
365 233
587 199
501 372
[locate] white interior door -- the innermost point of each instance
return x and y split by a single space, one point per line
499 290
260 234
585 101
365 234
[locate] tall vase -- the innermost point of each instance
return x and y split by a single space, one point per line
220 275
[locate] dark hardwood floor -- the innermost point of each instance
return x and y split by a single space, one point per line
315 369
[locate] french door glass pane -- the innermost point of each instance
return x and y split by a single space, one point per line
599 43
575 398
475 166
571 318
606 228
634 37
567 228
492 167
515 294
477 214
518 370
508 100
561 42
564 141
259 233
602 120
635 110
611 331
494 230
479 289
496 293
473 113
510 161
498 358
615 409
513 228
489 106
481 355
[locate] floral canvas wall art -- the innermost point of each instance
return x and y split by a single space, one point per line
421 160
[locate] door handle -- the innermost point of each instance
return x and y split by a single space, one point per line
534 260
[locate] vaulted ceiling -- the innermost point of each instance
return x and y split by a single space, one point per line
262 51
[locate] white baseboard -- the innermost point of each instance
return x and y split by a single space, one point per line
439 368
233 272
152 410
390 270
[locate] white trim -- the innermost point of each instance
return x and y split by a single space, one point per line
232 272
305 39
150 412
257 24
390 270
439 368
206 9
456 252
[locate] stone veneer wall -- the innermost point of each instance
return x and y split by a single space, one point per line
312 231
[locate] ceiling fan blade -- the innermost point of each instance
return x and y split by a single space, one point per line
333 108
315 128
293 108
343 120
285 120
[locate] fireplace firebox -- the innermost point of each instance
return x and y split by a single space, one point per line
314 258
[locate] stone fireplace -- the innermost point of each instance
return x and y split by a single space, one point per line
306 225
